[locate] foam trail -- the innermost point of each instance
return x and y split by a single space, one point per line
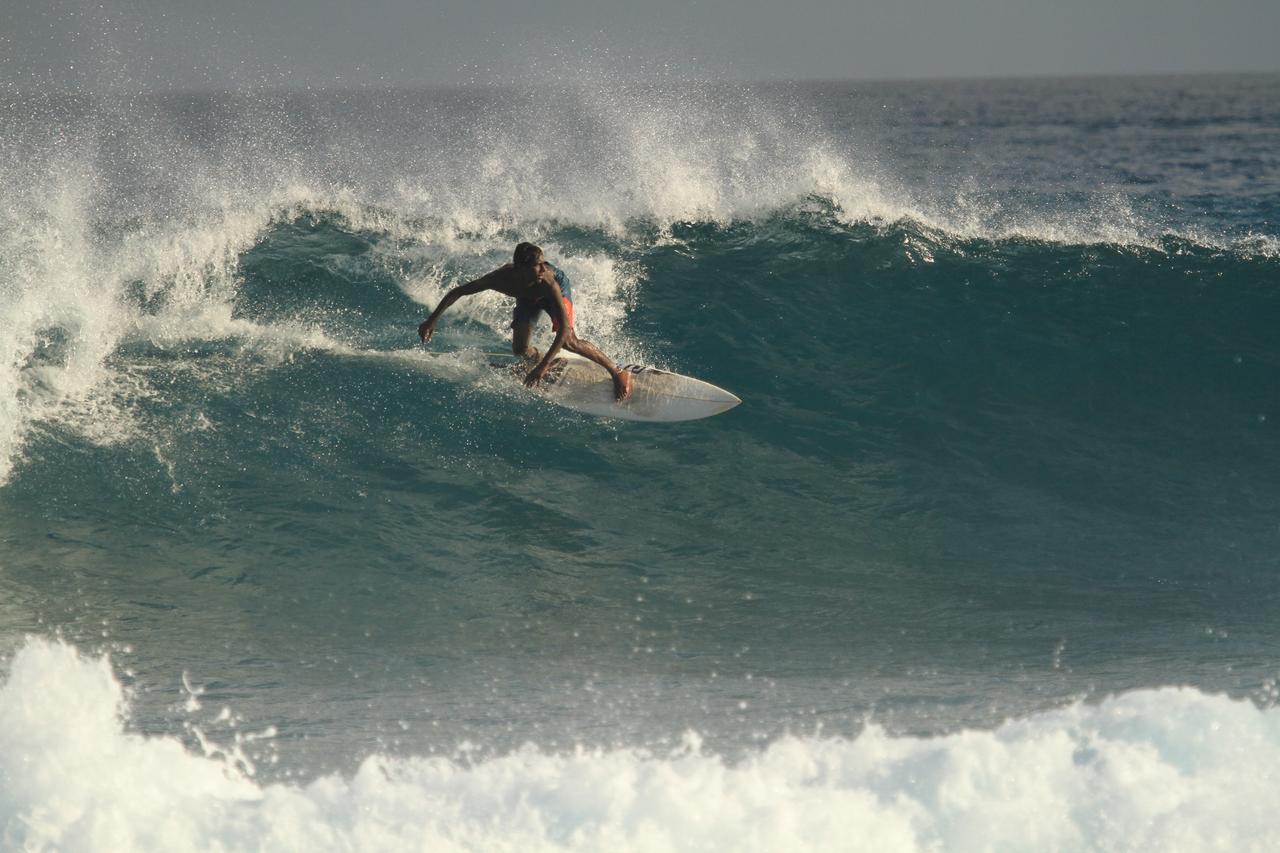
57 327
65 313
1169 769
101 194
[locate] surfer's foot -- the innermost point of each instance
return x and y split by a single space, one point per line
622 385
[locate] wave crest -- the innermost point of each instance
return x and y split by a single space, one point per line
1151 769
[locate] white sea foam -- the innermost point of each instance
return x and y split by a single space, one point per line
70 299
63 311
81 236
1168 769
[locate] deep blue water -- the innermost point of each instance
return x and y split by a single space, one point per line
1008 357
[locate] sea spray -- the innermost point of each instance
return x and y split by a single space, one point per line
1148 770
987 555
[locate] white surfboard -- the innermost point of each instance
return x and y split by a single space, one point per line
656 395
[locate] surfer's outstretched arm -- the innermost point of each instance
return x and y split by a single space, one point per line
567 338
553 303
428 327
562 333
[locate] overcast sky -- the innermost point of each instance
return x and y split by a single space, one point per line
199 43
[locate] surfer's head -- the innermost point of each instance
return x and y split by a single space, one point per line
526 255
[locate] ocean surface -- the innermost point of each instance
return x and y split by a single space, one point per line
988 558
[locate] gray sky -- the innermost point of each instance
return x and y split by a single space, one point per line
198 43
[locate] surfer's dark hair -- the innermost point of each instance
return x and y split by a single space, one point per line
526 254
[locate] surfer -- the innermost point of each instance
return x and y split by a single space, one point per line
536 285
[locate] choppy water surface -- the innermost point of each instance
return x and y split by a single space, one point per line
986 557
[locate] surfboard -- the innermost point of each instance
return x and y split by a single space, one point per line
656 395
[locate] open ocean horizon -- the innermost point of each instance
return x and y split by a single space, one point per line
987 559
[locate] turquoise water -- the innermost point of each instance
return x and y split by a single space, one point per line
1008 359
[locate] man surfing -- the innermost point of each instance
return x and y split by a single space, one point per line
537 286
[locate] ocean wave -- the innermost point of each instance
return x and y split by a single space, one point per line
308 270
480 163
1156 769
142 217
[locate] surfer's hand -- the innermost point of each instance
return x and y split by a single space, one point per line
426 330
535 377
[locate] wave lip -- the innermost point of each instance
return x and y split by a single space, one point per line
1165 769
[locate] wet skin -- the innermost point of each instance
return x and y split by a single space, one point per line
530 285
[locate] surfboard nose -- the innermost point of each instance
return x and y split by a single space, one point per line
716 394
695 394
717 400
